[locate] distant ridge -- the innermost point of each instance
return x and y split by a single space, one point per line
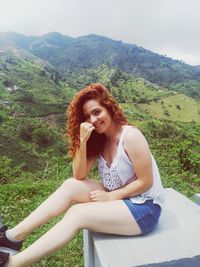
69 55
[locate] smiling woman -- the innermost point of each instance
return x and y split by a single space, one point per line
100 100
126 201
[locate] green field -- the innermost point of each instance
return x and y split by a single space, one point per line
175 108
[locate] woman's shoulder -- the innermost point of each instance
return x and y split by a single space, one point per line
134 136
132 131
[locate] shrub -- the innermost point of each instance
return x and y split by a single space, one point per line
189 160
26 132
43 137
6 170
166 112
7 83
162 130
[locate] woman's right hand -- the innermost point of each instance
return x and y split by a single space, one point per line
86 129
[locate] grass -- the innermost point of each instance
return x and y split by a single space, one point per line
175 108
19 199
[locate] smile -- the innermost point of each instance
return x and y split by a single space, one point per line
98 125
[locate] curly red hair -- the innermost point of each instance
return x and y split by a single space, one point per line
75 116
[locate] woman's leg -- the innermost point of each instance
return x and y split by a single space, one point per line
71 190
108 217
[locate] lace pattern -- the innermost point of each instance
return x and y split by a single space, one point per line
111 179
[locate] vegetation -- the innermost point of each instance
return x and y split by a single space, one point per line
34 95
177 106
72 56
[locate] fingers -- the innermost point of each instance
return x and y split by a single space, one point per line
86 129
86 125
99 195
91 128
94 195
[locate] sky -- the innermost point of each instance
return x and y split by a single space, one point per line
167 27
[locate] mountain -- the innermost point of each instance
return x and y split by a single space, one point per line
30 85
71 56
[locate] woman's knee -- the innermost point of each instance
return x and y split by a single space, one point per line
78 213
77 191
70 184
69 181
76 210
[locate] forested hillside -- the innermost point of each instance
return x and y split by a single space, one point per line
38 78
73 55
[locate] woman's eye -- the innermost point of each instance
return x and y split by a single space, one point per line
97 112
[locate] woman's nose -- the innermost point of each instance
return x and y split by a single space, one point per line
93 119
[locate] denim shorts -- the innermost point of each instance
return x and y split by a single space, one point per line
146 214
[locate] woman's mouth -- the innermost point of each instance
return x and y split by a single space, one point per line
98 125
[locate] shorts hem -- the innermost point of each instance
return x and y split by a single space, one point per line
146 214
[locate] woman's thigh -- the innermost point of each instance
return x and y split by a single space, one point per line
111 217
79 190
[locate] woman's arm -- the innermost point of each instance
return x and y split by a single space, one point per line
139 153
81 165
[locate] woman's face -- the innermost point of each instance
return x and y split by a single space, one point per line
97 115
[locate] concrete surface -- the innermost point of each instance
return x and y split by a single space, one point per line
174 243
197 198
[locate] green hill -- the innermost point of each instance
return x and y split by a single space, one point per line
30 86
33 102
177 107
72 55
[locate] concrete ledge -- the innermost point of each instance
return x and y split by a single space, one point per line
174 243
197 198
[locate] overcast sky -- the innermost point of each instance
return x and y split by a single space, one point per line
168 27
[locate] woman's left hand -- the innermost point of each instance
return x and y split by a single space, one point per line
100 195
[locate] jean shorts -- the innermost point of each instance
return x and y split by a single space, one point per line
146 214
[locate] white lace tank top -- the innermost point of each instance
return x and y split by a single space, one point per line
121 172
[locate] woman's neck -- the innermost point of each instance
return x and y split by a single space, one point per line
113 132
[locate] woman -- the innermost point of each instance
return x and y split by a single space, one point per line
130 186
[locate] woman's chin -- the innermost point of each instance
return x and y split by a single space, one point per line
99 130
